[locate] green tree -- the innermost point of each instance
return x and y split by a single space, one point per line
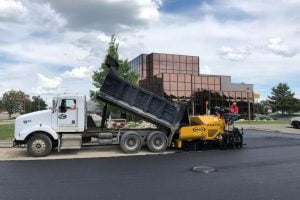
27 105
16 101
259 108
124 70
282 99
1 104
297 107
38 104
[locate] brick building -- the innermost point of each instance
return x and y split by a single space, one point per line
179 78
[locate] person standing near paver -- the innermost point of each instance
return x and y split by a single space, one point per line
234 109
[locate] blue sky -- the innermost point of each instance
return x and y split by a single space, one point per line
52 47
176 6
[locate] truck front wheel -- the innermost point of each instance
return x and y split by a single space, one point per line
157 141
39 145
296 124
131 142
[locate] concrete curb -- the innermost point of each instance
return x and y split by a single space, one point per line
10 154
268 130
6 144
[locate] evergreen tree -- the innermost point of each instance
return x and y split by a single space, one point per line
282 99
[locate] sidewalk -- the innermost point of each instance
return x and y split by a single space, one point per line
277 128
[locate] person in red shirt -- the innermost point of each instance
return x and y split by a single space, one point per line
234 109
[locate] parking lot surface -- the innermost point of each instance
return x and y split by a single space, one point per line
268 167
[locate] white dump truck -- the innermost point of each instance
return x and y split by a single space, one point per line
67 125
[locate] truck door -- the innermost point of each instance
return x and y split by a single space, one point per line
67 115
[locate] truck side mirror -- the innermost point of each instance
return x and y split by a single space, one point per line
53 106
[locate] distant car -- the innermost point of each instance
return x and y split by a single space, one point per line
295 122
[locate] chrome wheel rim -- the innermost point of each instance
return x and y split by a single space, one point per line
38 146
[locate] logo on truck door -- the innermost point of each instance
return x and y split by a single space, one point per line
62 116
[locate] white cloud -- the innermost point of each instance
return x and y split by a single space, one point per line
149 9
12 11
42 15
103 37
47 85
43 52
233 54
276 46
110 16
205 69
80 72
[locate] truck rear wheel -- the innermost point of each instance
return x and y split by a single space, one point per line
157 141
131 142
39 145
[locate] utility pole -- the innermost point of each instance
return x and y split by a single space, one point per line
208 103
24 106
249 114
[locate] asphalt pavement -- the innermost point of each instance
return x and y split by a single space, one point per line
268 167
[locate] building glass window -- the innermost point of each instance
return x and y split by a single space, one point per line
188 78
211 80
182 59
173 86
183 66
176 58
195 59
169 58
180 77
170 66
173 77
156 57
189 59
163 57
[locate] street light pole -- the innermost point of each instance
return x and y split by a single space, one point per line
249 115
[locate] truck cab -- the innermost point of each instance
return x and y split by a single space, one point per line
67 115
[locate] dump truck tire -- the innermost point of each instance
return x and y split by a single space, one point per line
296 124
39 145
157 141
131 142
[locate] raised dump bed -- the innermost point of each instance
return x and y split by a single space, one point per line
141 102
